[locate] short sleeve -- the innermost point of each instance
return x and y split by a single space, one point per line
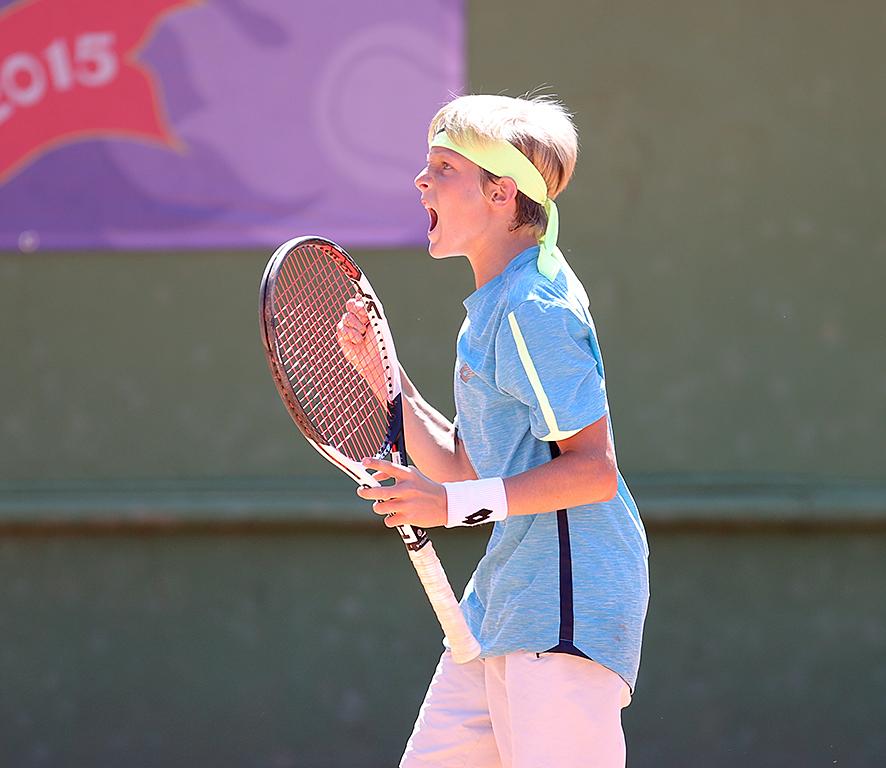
547 358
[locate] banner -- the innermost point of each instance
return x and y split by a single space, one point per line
219 124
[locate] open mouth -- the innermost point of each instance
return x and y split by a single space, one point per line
434 219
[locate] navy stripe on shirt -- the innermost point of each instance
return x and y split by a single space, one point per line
567 606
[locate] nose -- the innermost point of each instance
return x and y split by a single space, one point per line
421 181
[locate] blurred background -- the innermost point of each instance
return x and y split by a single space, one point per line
184 582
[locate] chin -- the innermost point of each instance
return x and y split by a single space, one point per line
439 251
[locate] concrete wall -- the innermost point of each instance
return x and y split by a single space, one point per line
312 648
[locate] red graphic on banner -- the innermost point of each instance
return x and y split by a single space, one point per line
68 71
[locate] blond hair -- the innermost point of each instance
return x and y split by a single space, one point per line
538 126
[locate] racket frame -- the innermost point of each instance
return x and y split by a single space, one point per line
414 538
463 645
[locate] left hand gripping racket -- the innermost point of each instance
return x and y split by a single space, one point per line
347 409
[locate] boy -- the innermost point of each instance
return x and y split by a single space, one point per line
559 599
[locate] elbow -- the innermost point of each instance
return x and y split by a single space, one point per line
608 484
605 474
600 483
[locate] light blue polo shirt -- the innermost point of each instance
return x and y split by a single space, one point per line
529 372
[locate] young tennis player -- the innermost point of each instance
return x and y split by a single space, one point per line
559 598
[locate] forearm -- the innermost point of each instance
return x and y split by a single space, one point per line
584 472
570 480
431 439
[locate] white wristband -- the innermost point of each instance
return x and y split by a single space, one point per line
472 502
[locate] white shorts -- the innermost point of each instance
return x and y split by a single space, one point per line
522 710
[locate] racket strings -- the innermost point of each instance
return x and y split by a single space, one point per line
342 406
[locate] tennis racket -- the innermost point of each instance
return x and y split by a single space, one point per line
348 408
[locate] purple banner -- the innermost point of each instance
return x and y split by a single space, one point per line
219 124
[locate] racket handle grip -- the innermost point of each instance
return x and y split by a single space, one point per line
462 642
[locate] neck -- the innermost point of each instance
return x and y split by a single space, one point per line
492 261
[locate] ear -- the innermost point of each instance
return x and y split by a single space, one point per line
503 191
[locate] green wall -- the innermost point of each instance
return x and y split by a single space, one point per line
727 215
184 582
151 365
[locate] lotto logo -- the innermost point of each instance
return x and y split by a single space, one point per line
480 516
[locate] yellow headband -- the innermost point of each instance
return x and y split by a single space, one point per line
501 158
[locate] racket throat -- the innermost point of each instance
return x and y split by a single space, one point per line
395 437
